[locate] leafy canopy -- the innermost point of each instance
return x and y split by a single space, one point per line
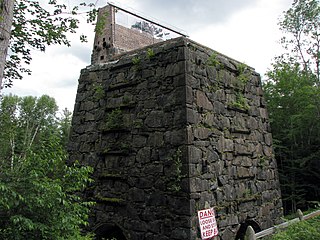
38 197
38 24
293 96
301 27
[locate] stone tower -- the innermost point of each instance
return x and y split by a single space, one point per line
172 128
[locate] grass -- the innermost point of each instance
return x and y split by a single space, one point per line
306 230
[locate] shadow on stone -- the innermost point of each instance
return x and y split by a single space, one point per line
109 231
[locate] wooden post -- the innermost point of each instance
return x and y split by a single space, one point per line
250 234
300 214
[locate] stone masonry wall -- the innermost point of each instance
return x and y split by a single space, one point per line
171 129
129 123
231 161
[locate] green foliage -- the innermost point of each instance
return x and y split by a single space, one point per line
137 63
36 25
240 103
262 161
136 60
213 88
138 123
109 200
213 61
247 193
126 99
293 98
101 23
177 175
150 53
38 197
25 122
242 67
306 230
293 103
114 119
64 124
301 28
244 74
98 92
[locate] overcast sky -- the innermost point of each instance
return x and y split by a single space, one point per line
245 30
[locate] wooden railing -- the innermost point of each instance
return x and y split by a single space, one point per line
251 235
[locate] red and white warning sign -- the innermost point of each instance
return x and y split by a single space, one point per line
208 224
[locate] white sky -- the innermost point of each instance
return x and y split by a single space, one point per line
245 30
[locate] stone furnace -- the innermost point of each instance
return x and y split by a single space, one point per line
172 128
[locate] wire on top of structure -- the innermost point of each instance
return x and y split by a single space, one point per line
151 20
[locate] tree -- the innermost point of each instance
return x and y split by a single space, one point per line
293 97
293 108
6 16
37 25
25 122
38 191
301 26
64 126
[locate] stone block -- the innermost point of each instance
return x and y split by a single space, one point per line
228 145
155 119
143 155
202 133
139 141
195 154
156 139
199 185
180 233
137 195
203 101
268 138
230 220
219 107
194 170
192 116
243 172
211 156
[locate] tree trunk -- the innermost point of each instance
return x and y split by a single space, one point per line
6 16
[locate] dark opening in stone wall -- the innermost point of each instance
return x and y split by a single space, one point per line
109 231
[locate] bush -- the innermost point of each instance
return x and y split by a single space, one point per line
38 198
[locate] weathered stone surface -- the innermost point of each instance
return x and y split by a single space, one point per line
192 116
202 101
202 133
154 119
195 154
